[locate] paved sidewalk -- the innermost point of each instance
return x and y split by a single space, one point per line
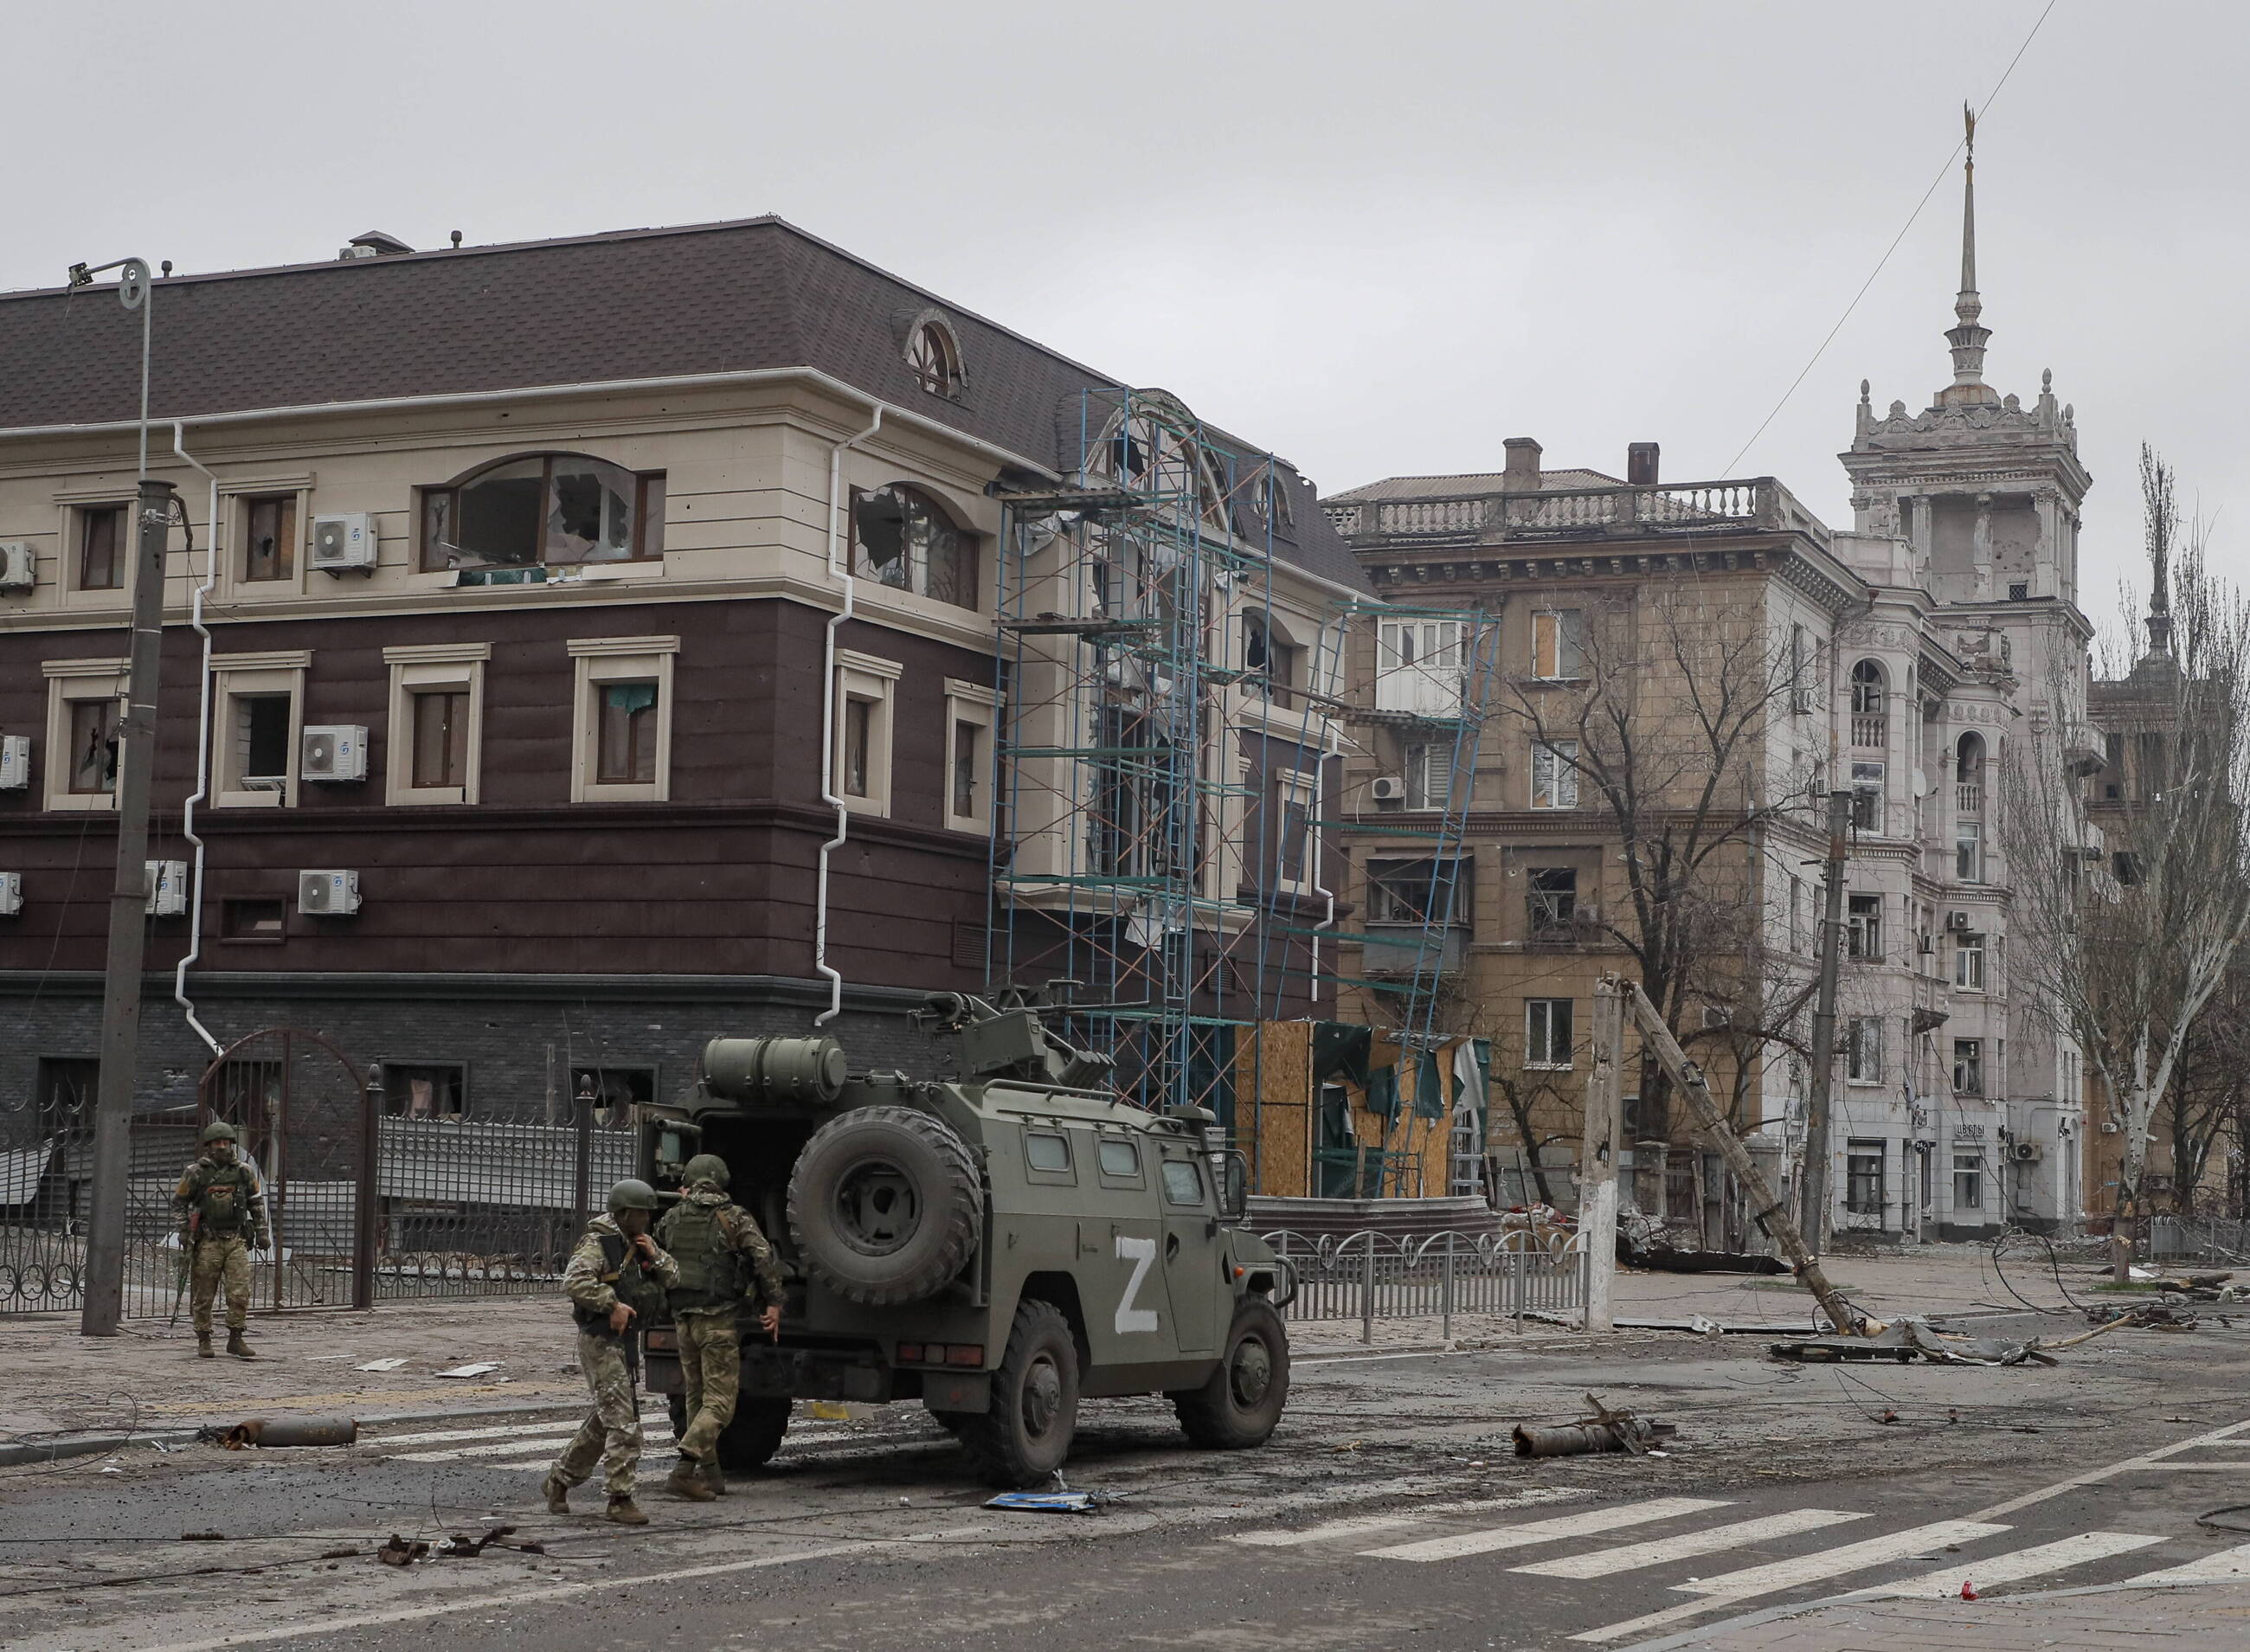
2195 1618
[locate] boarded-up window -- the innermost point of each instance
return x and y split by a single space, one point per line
269 548
1559 643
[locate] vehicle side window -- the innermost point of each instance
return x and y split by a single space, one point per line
1042 1152
1183 1181
1120 1157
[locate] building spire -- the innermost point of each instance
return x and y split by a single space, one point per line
1966 336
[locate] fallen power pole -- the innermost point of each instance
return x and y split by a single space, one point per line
1766 1208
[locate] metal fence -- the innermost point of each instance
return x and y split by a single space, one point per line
2198 1238
1369 1276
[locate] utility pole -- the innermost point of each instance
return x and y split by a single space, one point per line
1597 1156
1812 1205
103 1303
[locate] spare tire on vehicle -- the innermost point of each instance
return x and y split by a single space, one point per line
885 1205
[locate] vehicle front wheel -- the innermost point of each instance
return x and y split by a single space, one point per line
1027 1433
1242 1403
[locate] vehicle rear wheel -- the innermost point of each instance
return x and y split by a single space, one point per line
756 1434
1241 1404
1026 1434
677 1404
885 1205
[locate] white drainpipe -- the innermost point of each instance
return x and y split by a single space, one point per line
841 569
202 748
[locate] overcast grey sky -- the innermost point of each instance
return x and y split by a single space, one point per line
1375 239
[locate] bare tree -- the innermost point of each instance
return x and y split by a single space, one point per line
2126 959
1660 723
2212 1086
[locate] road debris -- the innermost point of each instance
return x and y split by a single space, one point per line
1608 1429
203 1537
382 1365
457 1547
399 1552
475 1368
283 1431
1047 1501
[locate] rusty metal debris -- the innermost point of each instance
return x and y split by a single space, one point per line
1608 1429
283 1431
1907 1339
457 1547
399 1552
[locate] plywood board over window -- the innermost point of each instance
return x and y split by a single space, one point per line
435 752
621 720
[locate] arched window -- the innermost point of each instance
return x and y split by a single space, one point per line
1968 764
1154 446
902 537
1870 713
543 510
935 359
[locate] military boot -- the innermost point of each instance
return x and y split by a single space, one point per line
203 1346
238 1348
557 1494
715 1476
687 1480
625 1512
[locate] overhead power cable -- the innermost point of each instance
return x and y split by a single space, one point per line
1944 172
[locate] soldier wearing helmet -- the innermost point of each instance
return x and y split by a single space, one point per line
222 1216
724 1266
616 1277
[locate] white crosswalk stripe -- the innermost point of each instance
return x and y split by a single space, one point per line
2058 1556
1536 1531
497 1432
1602 1563
492 1448
1328 1531
2224 1566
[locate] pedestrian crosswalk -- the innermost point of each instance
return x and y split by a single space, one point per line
532 1445
1974 1553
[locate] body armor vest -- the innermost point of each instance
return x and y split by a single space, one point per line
621 1272
222 1193
709 1276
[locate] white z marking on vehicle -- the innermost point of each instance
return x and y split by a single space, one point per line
1141 1253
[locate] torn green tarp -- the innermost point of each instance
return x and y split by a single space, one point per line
1382 1092
1340 1050
1429 1088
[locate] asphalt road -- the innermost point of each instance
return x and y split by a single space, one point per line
1387 1512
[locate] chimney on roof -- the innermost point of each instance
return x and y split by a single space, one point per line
1641 464
374 244
1522 475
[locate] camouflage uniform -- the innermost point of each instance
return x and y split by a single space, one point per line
610 1434
225 1194
707 1319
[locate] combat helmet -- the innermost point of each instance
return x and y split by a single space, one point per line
705 1167
631 1193
219 1131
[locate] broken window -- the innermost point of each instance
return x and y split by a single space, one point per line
1552 897
1968 1066
968 764
101 547
625 737
1864 1166
1867 796
253 919
934 359
1968 1181
551 510
902 537
269 541
424 1089
859 746
1416 891
261 740
93 745
441 737
1555 774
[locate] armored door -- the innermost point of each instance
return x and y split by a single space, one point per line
1191 1246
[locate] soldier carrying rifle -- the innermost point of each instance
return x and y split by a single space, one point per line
221 1215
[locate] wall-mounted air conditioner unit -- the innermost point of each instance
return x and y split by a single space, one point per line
2025 1152
334 752
1390 788
14 762
344 543
18 572
1957 923
328 895
167 888
11 894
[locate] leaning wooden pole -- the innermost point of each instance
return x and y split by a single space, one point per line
1768 1211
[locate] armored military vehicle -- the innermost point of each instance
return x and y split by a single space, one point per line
998 1246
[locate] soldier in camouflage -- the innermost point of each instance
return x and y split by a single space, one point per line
724 1266
616 1277
221 1215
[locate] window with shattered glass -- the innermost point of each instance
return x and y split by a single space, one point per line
547 510
903 538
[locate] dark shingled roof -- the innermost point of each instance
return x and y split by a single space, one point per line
632 304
